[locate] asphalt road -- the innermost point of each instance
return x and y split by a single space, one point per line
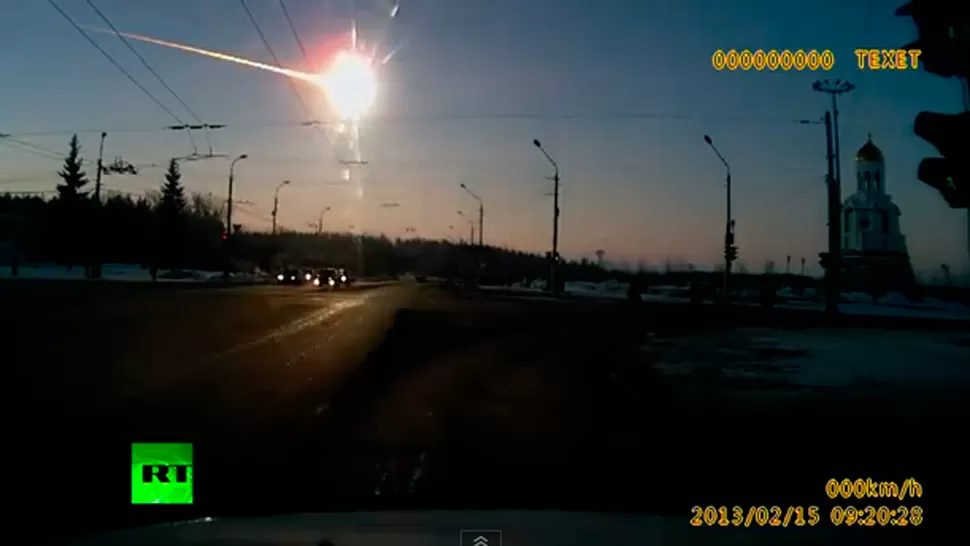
409 396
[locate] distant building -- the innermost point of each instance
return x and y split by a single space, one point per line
873 245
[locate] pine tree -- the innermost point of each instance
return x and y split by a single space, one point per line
171 215
73 174
173 202
71 207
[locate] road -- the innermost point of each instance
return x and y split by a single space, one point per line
410 396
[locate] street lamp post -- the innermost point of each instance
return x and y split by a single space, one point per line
228 234
471 226
95 269
320 223
481 214
729 223
553 281
276 202
835 89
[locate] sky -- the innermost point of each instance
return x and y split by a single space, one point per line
619 92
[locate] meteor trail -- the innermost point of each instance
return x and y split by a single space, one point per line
290 73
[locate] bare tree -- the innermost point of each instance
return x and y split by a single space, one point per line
770 267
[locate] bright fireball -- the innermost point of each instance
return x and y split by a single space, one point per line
350 84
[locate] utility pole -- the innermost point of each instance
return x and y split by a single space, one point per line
471 226
351 171
276 202
481 213
730 251
228 235
320 222
832 260
95 271
553 268
835 89
97 178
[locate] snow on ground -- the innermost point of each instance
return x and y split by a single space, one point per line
856 303
754 361
117 272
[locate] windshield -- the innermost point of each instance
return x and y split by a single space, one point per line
679 259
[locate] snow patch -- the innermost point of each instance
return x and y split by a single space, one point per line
816 358
124 273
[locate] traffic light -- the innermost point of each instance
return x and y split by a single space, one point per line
942 29
225 236
950 175
730 253
944 41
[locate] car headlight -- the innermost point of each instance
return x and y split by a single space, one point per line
308 276
330 281
279 277
343 278
316 282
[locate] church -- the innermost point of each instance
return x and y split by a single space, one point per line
874 253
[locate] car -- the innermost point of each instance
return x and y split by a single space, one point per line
293 276
332 277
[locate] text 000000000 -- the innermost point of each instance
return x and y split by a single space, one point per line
773 59
758 516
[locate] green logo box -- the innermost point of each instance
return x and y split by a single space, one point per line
161 474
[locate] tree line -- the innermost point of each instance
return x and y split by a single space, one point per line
75 228
170 229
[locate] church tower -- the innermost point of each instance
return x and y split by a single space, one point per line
870 169
873 245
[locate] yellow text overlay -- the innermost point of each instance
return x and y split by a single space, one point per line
773 59
888 59
876 516
870 489
754 516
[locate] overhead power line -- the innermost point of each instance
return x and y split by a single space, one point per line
29 148
296 35
453 117
161 80
276 60
121 68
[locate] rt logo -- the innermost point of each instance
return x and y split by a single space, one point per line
161 474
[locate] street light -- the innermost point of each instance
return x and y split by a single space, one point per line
481 213
729 223
276 202
320 224
555 219
228 238
471 225
95 270
835 89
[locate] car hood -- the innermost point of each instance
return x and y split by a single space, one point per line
432 528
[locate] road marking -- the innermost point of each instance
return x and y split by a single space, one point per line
296 326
